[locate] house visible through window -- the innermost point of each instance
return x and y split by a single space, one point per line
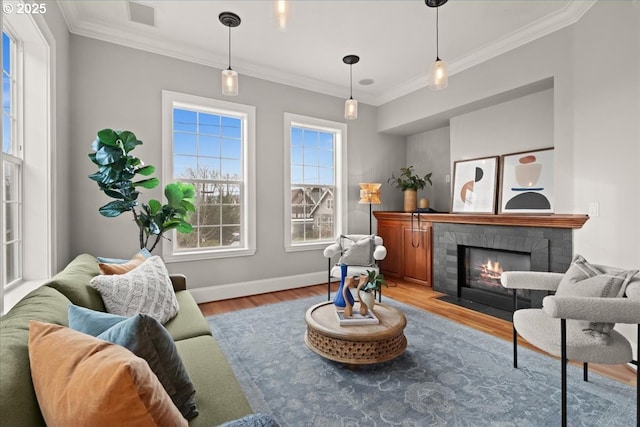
12 167
314 149
209 147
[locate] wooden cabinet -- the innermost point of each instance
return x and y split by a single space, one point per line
408 249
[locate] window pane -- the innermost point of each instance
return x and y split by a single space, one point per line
6 133
310 175
326 158
185 143
185 167
231 127
326 141
231 169
208 166
325 176
209 146
12 257
11 181
209 215
6 53
296 137
231 148
209 124
296 174
184 120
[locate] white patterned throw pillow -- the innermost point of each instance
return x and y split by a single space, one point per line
146 289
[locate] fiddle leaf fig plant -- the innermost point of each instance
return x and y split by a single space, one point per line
408 180
375 281
120 175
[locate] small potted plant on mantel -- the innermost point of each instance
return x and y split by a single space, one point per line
374 282
410 183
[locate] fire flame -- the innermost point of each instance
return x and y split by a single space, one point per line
491 270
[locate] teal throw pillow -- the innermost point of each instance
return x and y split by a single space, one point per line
145 337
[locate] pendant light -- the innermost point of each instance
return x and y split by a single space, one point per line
439 77
229 77
281 13
351 105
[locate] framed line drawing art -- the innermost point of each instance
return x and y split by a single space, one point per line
475 186
527 182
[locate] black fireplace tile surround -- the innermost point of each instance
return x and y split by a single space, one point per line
550 249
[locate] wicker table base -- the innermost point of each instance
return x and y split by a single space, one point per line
357 344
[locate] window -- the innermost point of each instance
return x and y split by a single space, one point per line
12 166
210 144
28 173
315 199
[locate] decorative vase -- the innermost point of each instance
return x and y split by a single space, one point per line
424 203
339 300
368 298
410 200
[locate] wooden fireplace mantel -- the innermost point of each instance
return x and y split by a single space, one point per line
410 243
574 221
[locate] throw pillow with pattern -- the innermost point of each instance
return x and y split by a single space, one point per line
146 289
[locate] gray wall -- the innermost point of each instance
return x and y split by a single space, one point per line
522 124
430 152
119 87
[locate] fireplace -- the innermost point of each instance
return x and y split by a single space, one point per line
479 271
461 252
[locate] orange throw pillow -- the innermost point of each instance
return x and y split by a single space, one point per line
83 381
106 268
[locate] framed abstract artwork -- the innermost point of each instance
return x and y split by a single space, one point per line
475 186
527 182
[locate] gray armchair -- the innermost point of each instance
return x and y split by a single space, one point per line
361 252
559 328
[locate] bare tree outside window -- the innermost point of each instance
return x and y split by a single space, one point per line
208 154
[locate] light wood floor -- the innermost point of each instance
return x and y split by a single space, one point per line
418 296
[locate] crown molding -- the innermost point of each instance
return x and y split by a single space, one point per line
135 39
565 17
138 39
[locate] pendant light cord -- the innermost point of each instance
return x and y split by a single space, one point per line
350 81
437 35
229 26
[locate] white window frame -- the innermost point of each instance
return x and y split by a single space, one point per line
15 158
340 162
37 132
247 247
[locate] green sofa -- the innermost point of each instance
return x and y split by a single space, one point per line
219 397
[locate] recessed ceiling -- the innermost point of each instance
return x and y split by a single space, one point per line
395 39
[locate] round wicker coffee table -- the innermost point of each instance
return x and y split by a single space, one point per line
355 344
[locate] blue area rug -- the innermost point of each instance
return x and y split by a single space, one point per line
449 375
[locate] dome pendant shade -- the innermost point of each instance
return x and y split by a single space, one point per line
229 82
439 78
435 3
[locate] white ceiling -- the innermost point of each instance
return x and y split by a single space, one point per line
395 39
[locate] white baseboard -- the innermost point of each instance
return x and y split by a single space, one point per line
255 287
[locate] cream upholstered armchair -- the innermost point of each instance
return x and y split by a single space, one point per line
577 322
361 252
